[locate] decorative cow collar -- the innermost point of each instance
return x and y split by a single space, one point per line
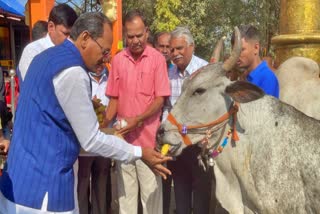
183 129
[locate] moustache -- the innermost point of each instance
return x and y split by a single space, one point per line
136 46
177 57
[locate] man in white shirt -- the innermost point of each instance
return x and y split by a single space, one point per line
191 182
61 19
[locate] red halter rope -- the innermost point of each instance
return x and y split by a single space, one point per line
183 129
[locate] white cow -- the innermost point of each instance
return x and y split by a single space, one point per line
300 85
275 166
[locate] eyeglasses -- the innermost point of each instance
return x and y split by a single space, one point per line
105 53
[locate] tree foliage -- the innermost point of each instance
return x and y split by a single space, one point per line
208 20
166 19
146 6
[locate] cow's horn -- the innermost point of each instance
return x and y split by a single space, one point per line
215 57
229 63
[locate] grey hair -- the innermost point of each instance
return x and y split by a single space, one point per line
158 35
183 32
92 22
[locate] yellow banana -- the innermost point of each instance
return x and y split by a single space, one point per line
165 149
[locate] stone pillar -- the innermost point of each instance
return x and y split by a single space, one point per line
299 30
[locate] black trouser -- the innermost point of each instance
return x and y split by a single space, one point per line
98 168
166 190
5 115
192 185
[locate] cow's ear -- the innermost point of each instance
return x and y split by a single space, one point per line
243 92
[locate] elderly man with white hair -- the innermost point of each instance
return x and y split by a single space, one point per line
191 182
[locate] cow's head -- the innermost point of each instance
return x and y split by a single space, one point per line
205 96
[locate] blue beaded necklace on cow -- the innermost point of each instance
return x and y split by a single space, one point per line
214 153
220 148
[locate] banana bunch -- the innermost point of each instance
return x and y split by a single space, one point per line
100 109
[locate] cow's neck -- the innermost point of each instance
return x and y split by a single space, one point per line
255 115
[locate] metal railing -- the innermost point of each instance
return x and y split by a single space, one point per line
12 74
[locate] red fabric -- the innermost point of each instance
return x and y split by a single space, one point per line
8 91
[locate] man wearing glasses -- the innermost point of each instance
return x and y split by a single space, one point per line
137 85
61 19
55 117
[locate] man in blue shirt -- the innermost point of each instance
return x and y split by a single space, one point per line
256 70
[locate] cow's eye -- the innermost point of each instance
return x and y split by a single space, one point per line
199 91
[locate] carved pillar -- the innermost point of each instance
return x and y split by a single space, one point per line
299 30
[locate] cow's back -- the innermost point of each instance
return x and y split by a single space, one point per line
275 167
299 85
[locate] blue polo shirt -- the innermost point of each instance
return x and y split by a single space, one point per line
264 77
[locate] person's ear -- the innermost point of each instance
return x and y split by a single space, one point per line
84 39
51 27
256 48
